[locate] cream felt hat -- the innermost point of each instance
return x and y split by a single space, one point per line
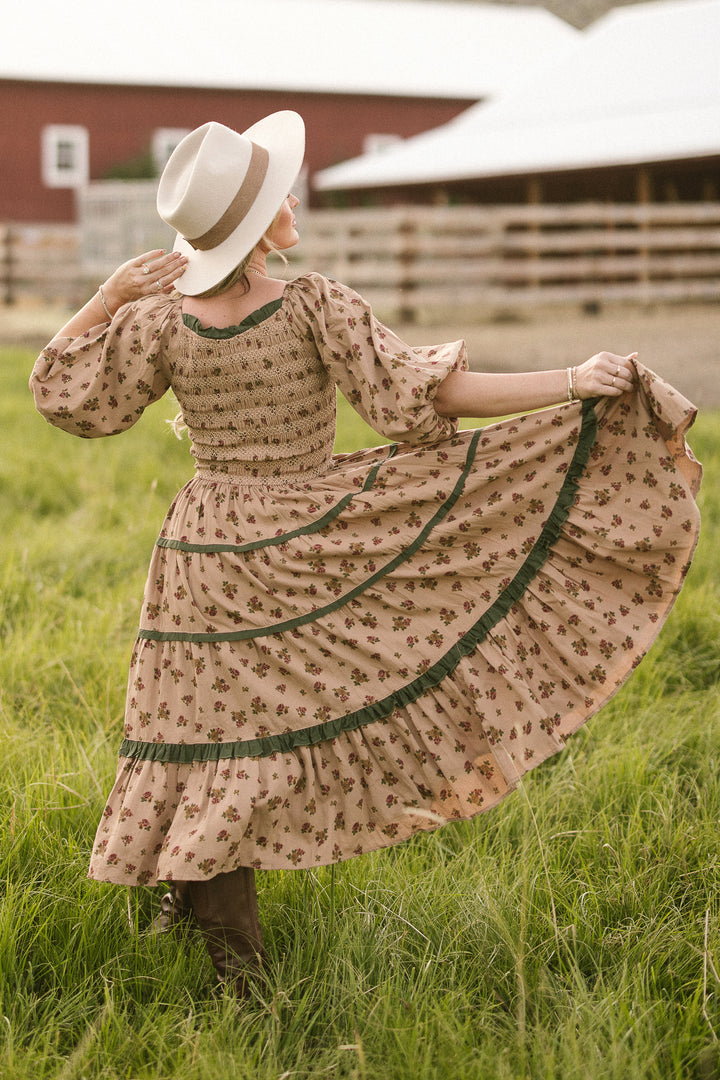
221 190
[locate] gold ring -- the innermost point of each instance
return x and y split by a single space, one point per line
613 380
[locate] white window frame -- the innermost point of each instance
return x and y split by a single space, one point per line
375 143
164 141
61 139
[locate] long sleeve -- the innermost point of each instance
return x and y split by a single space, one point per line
392 385
100 383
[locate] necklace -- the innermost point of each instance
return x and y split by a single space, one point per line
252 270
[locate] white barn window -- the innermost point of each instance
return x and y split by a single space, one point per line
164 142
375 144
65 156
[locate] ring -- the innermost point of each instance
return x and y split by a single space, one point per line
613 380
145 268
159 286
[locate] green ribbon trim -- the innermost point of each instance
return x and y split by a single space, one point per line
282 538
327 609
186 753
220 333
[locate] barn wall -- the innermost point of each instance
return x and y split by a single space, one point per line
121 121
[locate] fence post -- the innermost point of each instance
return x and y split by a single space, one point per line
8 262
534 199
407 229
644 195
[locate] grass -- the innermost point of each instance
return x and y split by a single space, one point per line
573 932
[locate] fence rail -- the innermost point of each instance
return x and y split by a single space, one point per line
412 260
417 259
41 262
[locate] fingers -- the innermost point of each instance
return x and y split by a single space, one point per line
618 374
153 272
147 255
157 271
607 375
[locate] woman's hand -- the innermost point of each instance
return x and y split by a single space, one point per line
605 375
154 271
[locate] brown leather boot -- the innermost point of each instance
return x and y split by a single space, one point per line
175 909
226 910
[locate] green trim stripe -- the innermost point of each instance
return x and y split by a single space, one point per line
216 333
317 613
186 753
282 538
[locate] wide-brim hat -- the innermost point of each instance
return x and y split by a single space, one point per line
221 190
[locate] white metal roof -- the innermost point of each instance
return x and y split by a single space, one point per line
405 47
642 84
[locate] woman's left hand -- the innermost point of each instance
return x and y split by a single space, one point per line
152 272
605 375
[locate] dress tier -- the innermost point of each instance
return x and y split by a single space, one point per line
336 652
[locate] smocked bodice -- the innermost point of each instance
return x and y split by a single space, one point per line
259 405
258 399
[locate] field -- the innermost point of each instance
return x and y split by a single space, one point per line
574 932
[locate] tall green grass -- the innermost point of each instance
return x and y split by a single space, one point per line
573 932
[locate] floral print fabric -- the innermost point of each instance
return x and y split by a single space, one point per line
337 652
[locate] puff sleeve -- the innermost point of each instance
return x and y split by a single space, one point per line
101 382
392 385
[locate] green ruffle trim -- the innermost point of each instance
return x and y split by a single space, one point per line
282 538
219 333
187 753
311 616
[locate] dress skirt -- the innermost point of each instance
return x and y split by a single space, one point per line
326 668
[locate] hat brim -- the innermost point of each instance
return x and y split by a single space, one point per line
282 134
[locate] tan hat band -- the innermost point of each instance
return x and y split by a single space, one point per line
241 204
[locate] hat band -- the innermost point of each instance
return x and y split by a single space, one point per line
241 204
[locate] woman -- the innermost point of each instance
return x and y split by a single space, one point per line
337 652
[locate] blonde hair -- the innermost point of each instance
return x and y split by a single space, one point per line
235 275
240 271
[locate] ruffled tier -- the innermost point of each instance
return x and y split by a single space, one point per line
325 669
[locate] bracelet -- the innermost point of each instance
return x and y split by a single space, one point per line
102 301
576 396
571 385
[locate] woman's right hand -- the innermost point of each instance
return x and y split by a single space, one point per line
605 375
154 271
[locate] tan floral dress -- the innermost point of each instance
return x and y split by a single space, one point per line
335 652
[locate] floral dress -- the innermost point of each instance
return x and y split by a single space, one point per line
337 651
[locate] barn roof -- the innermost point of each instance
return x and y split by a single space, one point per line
641 85
399 47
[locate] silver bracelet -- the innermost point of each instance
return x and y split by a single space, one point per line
102 301
571 386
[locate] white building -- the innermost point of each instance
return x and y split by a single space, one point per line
632 110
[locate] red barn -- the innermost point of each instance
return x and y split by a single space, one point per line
86 94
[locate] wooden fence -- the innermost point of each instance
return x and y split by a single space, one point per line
415 260
503 257
64 263
39 261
